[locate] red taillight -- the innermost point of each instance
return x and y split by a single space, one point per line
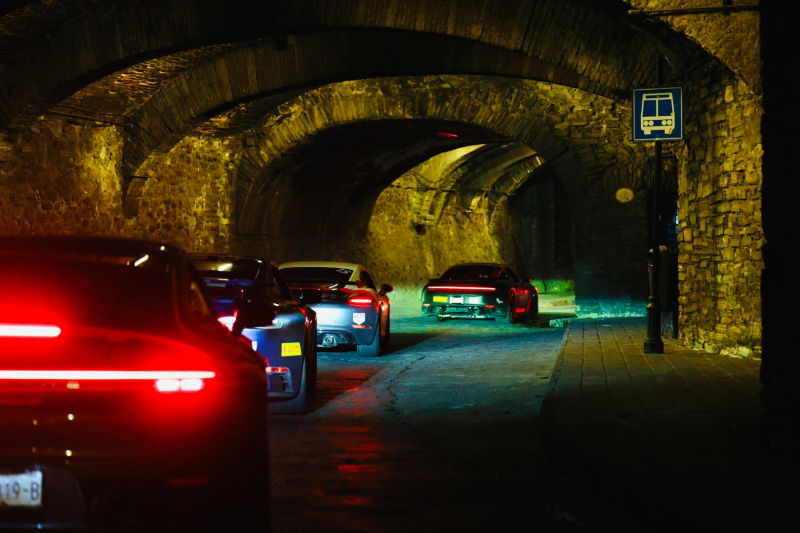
274 369
163 380
41 331
179 385
460 288
360 298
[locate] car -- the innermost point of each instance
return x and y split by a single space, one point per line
288 343
121 396
481 291
351 310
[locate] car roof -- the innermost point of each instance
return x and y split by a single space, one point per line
227 257
356 267
83 244
479 264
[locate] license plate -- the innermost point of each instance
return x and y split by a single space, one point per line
456 299
440 299
21 490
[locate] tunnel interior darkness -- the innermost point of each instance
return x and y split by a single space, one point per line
419 193
338 173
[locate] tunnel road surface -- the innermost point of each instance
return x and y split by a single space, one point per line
438 434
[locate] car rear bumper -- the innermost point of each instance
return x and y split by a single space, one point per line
464 311
343 324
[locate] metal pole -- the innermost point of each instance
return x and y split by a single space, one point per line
653 343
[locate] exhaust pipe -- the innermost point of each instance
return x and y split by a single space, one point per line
329 340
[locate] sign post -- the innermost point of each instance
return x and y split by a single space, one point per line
657 116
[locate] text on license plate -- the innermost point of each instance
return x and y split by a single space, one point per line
21 490
456 299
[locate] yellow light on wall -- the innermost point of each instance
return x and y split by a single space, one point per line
623 195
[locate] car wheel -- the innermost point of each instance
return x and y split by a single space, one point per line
311 359
512 310
373 349
388 335
297 405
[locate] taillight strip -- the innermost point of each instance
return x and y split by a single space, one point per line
107 375
44 331
460 288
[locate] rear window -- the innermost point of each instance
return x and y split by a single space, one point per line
317 275
472 272
219 272
121 291
235 269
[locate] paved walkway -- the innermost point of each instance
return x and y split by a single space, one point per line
660 442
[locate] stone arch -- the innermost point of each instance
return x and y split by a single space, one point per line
583 138
564 126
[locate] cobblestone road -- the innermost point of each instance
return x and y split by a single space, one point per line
440 434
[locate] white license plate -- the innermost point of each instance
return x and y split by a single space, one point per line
326 316
456 299
21 490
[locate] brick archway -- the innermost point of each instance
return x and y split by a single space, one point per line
582 138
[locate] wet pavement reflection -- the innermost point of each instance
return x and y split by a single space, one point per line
439 434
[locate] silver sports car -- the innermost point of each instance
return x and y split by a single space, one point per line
351 309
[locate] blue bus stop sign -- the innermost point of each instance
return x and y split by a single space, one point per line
658 114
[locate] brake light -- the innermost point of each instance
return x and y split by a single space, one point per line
359 298
460 288
179 385
41 331
163 380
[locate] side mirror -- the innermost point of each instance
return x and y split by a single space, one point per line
386 288
252 310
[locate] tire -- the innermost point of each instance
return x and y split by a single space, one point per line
373 349
297 405
512 310
311 360
387 337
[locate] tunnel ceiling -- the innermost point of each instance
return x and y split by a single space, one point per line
123 61
163 70
376 152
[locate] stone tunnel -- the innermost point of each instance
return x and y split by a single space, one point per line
406 135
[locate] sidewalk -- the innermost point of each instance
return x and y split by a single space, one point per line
660 442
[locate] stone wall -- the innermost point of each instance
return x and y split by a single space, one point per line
58 177
399 255
188 196
719 209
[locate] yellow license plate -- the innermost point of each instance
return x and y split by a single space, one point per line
440 299
289 349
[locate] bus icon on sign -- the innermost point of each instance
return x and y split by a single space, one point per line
657 114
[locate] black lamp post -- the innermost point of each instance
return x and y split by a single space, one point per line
653 342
